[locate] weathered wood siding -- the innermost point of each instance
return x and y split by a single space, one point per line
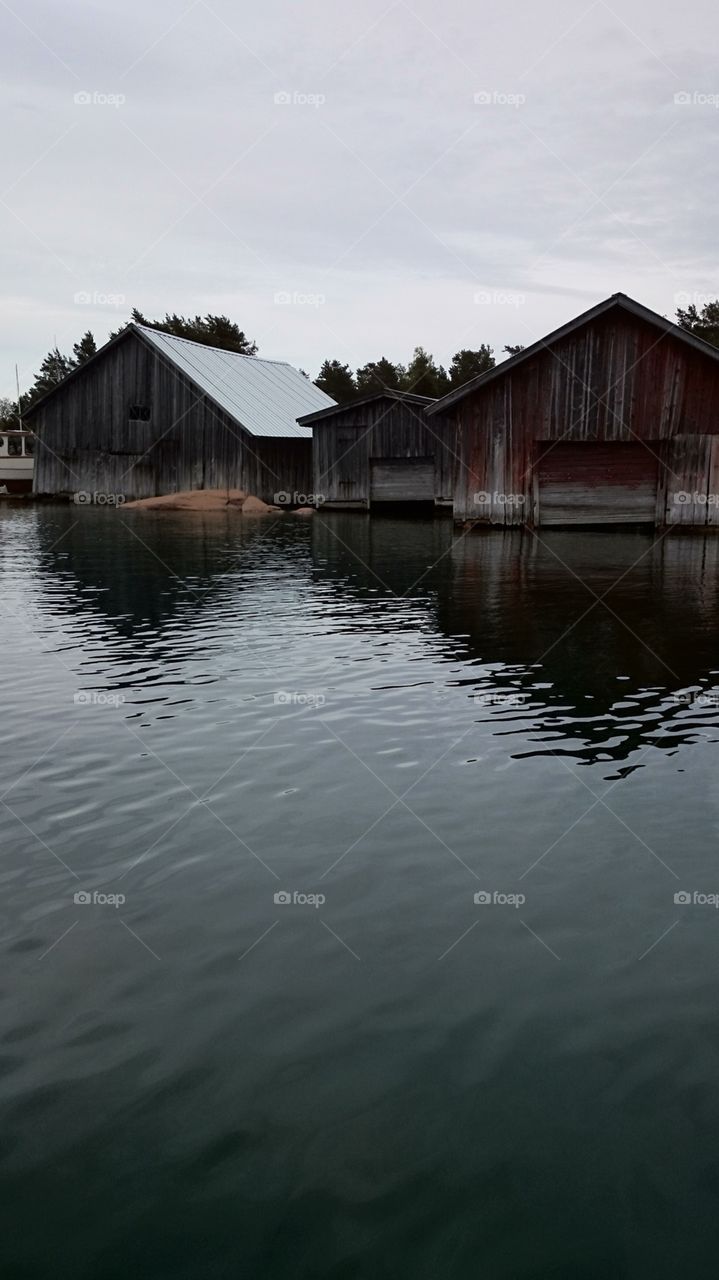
616 379
346 444
401 479
596 483
87 443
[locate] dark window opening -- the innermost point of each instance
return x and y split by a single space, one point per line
139 413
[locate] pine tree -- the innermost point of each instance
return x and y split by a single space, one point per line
213 331
425 378
337 381
468 364
84 349
380 375
9 419
703 324
53 369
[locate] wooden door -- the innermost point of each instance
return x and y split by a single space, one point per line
592 483
402 479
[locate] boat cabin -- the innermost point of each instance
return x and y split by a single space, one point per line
17 450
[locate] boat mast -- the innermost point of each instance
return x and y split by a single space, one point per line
19 406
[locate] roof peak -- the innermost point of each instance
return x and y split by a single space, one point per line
265 397
387 393
601 308
176 337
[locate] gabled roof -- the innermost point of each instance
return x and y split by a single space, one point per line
618 301
405 396
264 397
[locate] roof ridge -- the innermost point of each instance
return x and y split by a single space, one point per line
262 396
176 337
387 393
623 300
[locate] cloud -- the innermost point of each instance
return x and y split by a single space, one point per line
377 179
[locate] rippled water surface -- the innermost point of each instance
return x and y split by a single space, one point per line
388 1079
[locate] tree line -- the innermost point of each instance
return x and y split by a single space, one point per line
53 369
421 375
213 331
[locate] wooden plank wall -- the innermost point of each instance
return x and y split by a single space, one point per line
616 379
86 442
598 484
345 443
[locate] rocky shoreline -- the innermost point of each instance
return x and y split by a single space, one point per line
247 504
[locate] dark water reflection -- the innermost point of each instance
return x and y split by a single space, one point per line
200 712
597 644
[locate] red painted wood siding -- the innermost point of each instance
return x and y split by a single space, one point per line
616 379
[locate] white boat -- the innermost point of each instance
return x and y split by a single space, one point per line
16 461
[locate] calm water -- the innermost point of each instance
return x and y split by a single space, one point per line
199 1081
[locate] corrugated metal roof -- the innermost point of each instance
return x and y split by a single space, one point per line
264 396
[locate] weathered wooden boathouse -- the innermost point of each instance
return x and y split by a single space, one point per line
613 418
152 413
381 449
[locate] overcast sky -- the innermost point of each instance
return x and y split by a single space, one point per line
352 179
